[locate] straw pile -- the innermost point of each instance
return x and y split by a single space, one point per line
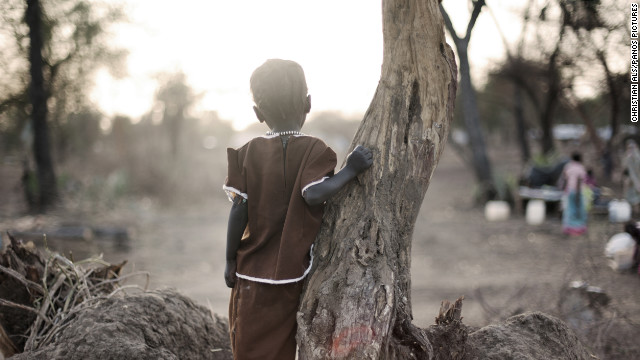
41 294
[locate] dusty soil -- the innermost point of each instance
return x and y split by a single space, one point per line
148 326
501 268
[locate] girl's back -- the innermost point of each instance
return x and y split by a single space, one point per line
281 227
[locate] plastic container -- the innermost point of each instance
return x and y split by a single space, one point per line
619 211
535 212
497 210
620 249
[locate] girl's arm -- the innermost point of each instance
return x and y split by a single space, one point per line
238 219
358 161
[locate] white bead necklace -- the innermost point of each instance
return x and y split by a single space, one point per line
284 133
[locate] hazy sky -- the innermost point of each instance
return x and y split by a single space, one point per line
219 43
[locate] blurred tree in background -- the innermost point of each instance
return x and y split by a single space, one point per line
46 191
479 158
567 66
566 52
171 152
598 36
51 50
175 97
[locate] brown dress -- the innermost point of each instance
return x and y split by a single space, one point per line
274 254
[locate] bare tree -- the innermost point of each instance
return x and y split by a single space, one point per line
47 191
600 32
553 67
357 302
481 164
539 76
518 99
176 97
56 70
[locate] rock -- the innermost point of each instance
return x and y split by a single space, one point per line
581 305
153 325
166 325
528 336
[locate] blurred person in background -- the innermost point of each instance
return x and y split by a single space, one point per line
631 175
574 214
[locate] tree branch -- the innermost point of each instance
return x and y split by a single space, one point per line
477 6
568 98
55 67
525 24
613 93
553 75
531 93
24 281
449 25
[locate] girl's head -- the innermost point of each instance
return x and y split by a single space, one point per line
279 90
576 156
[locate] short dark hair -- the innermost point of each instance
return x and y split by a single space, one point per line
279 89
576 157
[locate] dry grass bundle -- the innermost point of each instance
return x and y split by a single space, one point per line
41 294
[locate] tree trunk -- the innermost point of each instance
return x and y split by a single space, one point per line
555 87
470 112
41 144
175 125
546 119
613 121
521 125
481 165
518 101
357 300
575 104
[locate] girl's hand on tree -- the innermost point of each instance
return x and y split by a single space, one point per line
230 273
360 159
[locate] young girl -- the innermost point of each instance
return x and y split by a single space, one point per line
574 214
278 184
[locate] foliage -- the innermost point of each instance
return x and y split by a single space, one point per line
591 36
12 126
505 185
76 34
134 160
567 65
496 101
175 96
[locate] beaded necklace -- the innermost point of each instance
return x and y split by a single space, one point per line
284 133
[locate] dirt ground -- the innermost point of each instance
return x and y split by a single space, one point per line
501 268
504 267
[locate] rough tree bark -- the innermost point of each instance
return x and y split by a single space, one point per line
41 144
357 300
